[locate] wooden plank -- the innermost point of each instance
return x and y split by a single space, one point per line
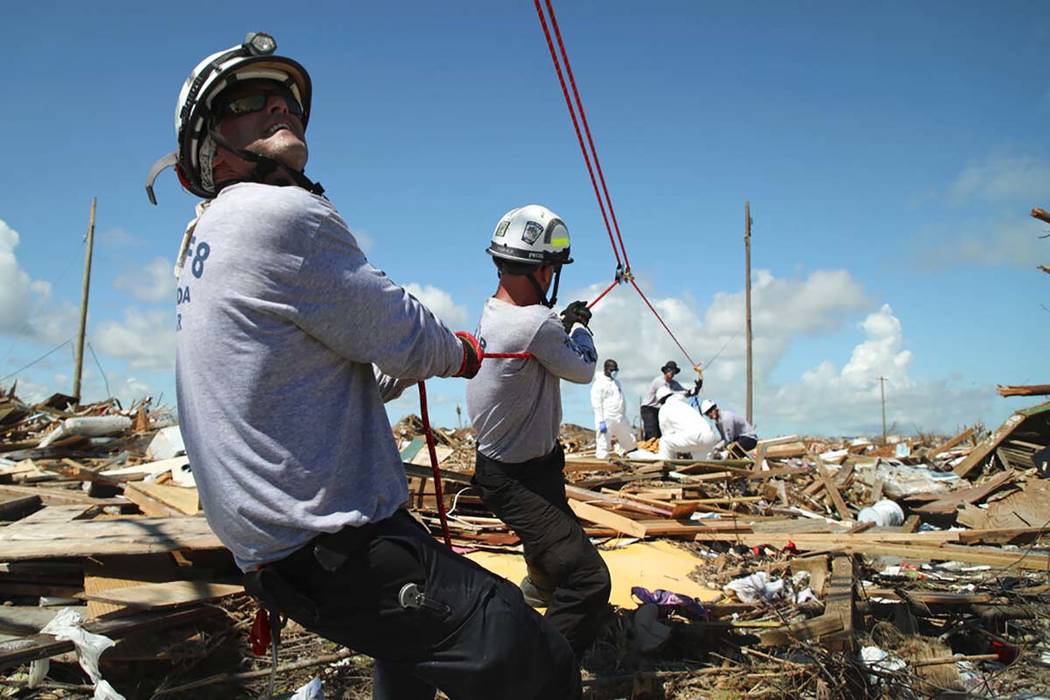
96 537
163 595
988 445
181 499
791 449
833 491
839 601
626 501
951 501
41 646
1024 390
594 514
19 507
876 492
58 514
835 626
949 444
150 505
61 497
147 468
889 547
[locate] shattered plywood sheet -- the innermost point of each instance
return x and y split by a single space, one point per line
651 565
1028 507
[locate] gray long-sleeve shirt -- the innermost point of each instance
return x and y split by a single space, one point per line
281 324
654 386
515 404
732 426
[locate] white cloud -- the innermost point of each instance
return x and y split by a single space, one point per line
849 401
1002 178
18 293
782 309
152 282
830 398
119 238
146 339
1003 243
440 302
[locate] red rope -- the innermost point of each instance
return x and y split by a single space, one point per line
576 125
506 356
431 447
600 296
587 129
658 318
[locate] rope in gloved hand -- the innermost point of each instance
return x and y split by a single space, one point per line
481 355
605 205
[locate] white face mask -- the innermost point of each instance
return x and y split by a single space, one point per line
613 373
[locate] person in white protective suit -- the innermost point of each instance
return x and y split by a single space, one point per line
610 413
682 428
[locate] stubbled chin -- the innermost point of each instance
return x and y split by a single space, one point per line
284 146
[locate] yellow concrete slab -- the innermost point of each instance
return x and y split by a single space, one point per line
649 564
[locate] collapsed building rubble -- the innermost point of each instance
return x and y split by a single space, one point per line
815 567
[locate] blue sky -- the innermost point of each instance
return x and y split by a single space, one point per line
890 152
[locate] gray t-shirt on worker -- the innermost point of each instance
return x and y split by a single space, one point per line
732 426
280 319
515 404
654 386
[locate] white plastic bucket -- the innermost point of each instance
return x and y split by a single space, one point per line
885 513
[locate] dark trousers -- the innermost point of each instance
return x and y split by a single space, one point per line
747 443
476 638
562 562
650 422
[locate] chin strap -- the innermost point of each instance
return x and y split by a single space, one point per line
264 167
554 288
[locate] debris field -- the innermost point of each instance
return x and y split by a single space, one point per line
814 568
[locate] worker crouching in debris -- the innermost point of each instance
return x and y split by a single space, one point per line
285 355
684 430
738 436
610 413
515 407
651 406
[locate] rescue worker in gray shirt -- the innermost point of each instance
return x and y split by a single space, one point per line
515 406
732 427
288 342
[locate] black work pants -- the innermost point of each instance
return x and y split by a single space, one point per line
650 422
475 639
747 443
562 562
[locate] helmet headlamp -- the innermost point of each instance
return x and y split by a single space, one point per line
260 44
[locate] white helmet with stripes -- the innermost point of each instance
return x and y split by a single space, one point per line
531 235
252 59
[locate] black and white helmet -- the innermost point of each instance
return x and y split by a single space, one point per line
253 59
531 235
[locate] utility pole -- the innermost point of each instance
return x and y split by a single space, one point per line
84 304
882 389
747 302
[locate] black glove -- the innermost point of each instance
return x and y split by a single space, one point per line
576 312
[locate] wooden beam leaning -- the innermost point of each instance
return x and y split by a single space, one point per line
833 491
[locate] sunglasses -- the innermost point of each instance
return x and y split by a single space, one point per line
256 102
